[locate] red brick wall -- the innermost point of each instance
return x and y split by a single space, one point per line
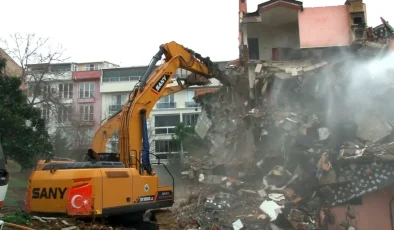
373 214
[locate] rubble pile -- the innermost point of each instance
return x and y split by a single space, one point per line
22 220
317 133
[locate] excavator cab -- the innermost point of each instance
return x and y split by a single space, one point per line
4 177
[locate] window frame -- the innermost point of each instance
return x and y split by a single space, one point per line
86 112
66 94
86 88
45 112
64 114
168 145
191 118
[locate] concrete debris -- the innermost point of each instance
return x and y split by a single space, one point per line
313 134
271 209
237 225
372 128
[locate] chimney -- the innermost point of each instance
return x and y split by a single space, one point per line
357 18
242 48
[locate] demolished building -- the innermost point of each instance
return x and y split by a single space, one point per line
304 140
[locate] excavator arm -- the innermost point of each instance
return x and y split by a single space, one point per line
112 124
148 91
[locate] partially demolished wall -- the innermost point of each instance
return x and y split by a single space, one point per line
316 133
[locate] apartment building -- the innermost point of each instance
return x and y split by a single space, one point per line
282 30
286 31
87 98
50 87
117 83
12 68
68 95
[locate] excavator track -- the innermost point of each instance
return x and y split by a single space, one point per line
164 219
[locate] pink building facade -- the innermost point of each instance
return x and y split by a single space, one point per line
375 212
280 27
87 98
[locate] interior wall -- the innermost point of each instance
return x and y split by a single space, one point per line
324 26
282 36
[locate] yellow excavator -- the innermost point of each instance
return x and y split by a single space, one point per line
112 184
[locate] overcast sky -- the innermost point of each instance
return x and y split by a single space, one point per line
129 32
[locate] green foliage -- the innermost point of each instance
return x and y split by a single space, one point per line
25 136
19 217
182 132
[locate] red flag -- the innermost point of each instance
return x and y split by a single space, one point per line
79 200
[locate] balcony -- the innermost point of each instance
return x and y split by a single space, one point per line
165 130
88 123
85 100
86 75
166 105
191 104
114 108
118 79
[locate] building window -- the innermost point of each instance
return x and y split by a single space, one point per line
86 112
190 103
89 67
165 124
66 91
166 146
123 74
118 99
190 119
31 91
64 114
114 147
117 102
86 90
253 47
167 102
45 110
181 73
45 91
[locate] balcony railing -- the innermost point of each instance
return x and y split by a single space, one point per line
117 79
114 108
165 130
166 105
191 104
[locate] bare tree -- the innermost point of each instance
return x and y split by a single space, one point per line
41 68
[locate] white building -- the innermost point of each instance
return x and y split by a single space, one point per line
117 83
62 91
49 85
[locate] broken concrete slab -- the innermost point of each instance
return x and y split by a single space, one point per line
372 128
203 124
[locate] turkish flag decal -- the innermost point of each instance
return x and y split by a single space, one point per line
79 201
